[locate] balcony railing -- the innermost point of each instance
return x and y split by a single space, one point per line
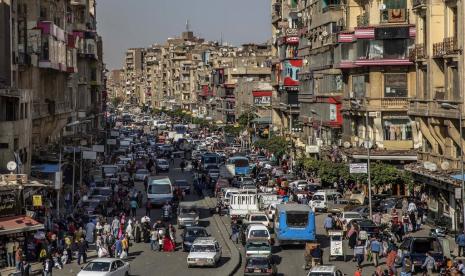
418 52
449 46
394 102
363 20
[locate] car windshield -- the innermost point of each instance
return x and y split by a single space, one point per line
190 211
97 266
258 246
259 218
160 189
320 274
142 172
425 245
196 233
203 248
182 183
258 262
162 162
101 192
351 216
259 233
318 197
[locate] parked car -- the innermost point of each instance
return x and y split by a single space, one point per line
416 248
260 265
141 174
162 165
204 252
190 234
105 267
188 215
349 216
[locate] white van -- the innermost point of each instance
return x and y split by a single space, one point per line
159 190
321 198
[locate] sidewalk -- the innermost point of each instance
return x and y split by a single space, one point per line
36 267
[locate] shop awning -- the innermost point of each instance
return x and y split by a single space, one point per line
46 168
457 176
18 224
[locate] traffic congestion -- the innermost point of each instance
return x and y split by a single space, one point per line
173 197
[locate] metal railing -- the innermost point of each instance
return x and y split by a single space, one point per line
418 52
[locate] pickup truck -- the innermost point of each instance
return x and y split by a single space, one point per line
243 203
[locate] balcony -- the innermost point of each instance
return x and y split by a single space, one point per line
395 103
418 52
449 46
363 20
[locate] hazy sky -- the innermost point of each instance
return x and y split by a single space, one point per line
140 23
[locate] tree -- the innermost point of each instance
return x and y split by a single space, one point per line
116 101
277 145
246 119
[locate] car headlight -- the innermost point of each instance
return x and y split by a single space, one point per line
210 260
196 218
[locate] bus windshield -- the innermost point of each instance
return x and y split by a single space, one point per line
210 159
180 129
240 162
160 189
297 219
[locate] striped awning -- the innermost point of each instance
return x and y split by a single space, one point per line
369 33
346 38
369 62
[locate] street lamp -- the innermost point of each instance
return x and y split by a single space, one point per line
457 107
356 105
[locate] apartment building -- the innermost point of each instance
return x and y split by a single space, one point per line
15 101
379 79
438 103
116 84
134 69
321 83
286 64
54 53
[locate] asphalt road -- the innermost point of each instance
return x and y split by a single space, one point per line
143 261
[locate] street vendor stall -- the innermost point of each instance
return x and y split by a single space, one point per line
336 248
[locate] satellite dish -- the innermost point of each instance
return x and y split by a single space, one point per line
11 166
346 144
299 14
445 165
430 166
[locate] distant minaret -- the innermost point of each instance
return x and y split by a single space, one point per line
187 25
221 39
188 34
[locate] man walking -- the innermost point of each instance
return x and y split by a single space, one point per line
82 251
429 264
328 223
375 247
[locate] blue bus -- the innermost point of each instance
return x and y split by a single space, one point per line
241 165
210 160
180 129
294 224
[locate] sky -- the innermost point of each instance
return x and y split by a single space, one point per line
140 23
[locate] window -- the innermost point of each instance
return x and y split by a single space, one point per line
454 83
358 86
397 129
395 85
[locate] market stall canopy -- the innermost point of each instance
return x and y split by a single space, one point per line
262 120
18 224
46 168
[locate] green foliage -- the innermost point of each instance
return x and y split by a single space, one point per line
116 101
232 130
245 120
277 145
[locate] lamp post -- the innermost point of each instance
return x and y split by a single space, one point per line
356 105
457 107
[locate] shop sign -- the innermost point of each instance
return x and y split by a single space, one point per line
358 168
312 149
37 200
332 112
262 101
89 155
111 141
114 133
292 40
8 203
292 32
98 148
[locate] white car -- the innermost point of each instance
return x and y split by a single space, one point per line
204 252
105 267
329 270
260 218
141 174
271 210
346 217
257 231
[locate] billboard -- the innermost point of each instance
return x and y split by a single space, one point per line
290 72
261 98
